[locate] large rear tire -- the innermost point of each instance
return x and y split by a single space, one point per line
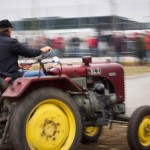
138 134
46 119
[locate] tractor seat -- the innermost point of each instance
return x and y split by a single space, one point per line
4 83
5 80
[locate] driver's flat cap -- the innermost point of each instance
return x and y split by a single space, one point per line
5 24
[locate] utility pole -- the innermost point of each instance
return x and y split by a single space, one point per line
35 11
34 8
113 10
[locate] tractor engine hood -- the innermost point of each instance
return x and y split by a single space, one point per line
107 70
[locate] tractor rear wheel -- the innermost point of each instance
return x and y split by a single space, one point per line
46 119
138 134
91 134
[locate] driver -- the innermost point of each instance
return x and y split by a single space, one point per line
11 49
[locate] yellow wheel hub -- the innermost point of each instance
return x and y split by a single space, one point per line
50 126
144 131
91 130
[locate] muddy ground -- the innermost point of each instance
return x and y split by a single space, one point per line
114 139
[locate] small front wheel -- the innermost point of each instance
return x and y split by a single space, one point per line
138 134
91 134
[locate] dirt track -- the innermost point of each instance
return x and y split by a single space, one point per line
114 139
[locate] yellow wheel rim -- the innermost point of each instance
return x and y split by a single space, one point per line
91 130
144 131
50 126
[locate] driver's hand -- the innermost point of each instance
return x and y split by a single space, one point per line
25 66
46 49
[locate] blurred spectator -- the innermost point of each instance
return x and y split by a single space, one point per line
31 42
42 40
147 41
58 45
75 44
93 44
118 45
102 45
139 46
47 41
124 44
130 44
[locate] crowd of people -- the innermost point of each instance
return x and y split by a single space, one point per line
115 44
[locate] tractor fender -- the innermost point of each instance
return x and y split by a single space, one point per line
20 85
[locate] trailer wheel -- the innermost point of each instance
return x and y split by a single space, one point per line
46 119
138 134
91 134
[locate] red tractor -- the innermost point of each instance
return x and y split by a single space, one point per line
69 105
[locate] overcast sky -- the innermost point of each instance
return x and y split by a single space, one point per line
138 10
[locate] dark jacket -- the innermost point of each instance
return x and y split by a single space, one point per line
10 49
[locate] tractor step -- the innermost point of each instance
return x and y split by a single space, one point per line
5 147
122 117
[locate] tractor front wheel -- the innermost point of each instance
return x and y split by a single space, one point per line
138 134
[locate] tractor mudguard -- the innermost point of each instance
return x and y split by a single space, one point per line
20 85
